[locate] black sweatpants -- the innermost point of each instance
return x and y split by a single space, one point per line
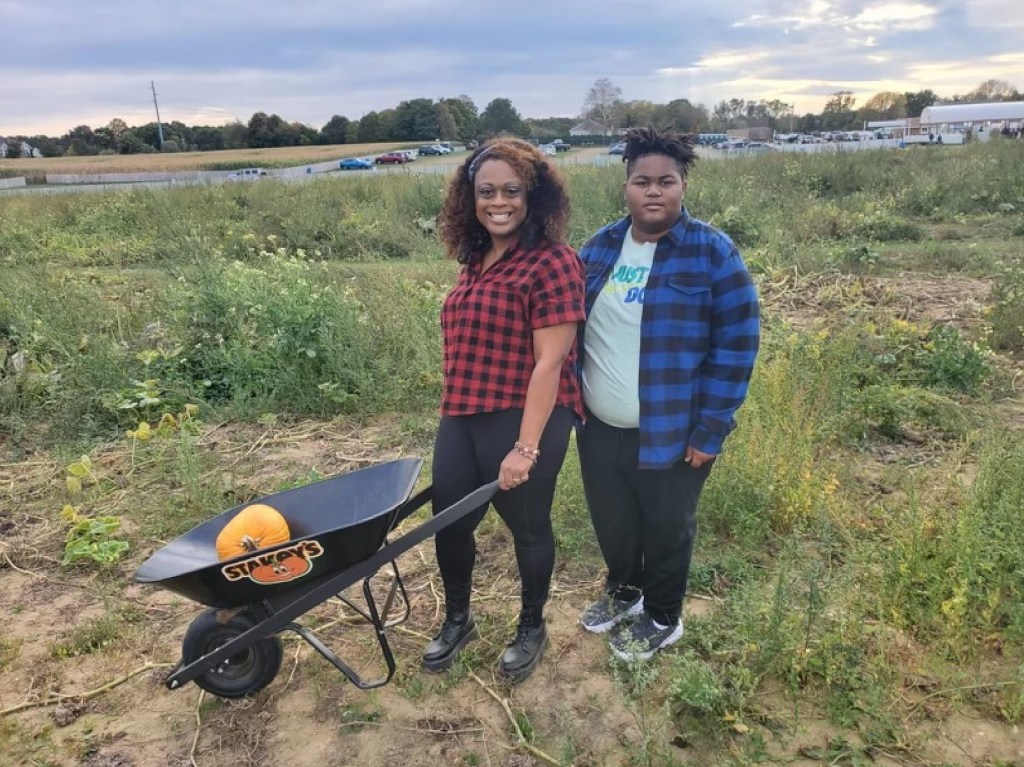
467 454
645 519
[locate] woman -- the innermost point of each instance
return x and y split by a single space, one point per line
510 395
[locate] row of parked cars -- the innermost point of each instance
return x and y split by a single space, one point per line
397 157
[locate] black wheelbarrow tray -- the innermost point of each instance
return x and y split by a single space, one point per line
339 535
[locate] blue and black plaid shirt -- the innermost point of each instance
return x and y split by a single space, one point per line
698 337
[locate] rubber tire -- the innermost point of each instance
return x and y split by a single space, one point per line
248 671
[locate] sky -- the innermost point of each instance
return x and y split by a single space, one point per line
72 62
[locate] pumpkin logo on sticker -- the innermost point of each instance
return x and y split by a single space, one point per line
279 566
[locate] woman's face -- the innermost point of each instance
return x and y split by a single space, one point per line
654 195
500 201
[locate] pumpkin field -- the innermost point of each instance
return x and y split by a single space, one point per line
857 591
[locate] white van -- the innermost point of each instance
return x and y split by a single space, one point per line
247 174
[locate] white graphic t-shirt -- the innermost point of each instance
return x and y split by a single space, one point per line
611 366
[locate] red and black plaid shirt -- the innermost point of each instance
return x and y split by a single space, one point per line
488 322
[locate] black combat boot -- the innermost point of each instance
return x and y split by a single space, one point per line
457 631
525 650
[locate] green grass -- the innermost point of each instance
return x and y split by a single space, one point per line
834 529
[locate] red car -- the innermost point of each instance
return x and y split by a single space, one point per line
392 157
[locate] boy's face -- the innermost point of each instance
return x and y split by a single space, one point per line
654 195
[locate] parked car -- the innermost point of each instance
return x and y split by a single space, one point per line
409 154
247 174
758 147
548 149
430 149
355 163
619 148
393 158
733 144
560 146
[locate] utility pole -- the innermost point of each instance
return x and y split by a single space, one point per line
159 127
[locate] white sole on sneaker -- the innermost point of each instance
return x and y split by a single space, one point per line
604 628
671 639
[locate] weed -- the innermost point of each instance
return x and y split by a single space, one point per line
950 362
92 636
637 682
1006 316
10 647
524 725
694 683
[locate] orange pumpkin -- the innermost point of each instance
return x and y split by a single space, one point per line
287 569
254 527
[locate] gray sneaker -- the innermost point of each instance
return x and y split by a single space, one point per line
608 612
640 640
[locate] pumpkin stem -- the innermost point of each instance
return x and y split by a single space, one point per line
250 543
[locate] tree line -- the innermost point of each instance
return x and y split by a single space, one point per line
458 119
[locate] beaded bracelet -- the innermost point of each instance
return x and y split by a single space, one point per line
532 453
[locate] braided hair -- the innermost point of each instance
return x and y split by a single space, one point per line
647 140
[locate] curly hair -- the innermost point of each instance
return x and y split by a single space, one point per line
547 203
647 140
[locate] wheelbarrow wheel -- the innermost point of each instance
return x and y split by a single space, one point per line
248 670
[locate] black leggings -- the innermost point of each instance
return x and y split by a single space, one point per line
467 454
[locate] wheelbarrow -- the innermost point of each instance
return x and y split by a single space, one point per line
339 535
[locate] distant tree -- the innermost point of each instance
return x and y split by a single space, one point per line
104 140
776 112
992 90
885 105
838 113
180 134
269 131
300 134
683 116
501 117
916 101
639 113
447 129
335 130
465 114
117 128
415 120
14 149
207 138
547 128
47 146
80 141
809 123
730 113
132 144
235 134
147 134
371 129
603 103
353 132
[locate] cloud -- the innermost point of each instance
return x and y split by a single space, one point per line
69 62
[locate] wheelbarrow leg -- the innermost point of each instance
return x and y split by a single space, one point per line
343 667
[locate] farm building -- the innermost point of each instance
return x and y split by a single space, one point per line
590 128
975 114
982 119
